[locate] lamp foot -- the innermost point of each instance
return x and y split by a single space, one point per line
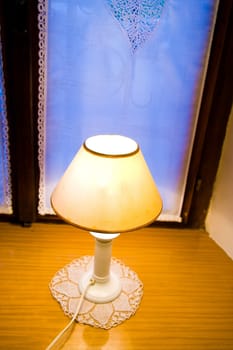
101 292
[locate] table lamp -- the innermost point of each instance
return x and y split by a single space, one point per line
107 189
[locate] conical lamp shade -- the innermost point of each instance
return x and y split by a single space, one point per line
107 187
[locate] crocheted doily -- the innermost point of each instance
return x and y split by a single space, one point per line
64 288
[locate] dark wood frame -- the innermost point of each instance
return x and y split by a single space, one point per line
18 20
19 42
213 117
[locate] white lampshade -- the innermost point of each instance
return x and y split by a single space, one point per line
107 187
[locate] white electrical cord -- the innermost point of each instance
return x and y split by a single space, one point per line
49 347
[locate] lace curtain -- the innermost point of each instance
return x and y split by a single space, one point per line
133 67
5 183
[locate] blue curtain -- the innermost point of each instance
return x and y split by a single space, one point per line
130 67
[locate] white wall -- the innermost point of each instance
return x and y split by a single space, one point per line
219 221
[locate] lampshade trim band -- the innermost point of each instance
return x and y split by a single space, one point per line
101 229
121 155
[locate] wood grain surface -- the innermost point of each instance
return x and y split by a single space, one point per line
188 290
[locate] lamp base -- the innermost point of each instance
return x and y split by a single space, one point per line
100 292
65 288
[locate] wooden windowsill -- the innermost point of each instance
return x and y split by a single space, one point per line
188 289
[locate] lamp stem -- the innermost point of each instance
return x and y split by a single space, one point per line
107 285
103 253
102 260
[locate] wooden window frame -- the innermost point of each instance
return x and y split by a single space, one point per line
19 30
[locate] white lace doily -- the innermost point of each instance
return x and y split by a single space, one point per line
64 288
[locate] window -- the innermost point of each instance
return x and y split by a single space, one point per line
25 50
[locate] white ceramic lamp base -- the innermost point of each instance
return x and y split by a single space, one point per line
101 292
107 285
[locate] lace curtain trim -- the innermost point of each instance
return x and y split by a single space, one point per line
42 93
6 207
